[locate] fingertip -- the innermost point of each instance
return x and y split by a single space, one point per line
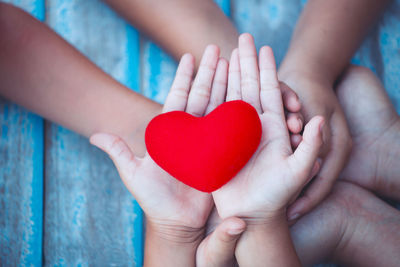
187 57
235 226
234 52
266 51
97 139
212 49
223 63
245 37
291 100
186 65
294 123
295 211
295 140
315 128
293 103
316 168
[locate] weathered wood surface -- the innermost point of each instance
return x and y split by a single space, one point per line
89 218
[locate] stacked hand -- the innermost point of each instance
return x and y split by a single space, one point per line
318 98
176 214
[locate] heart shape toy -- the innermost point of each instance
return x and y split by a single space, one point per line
207 152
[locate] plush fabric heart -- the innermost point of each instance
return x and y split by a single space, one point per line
205 153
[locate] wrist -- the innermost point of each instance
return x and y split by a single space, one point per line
301 66
171 244
174 233
267 240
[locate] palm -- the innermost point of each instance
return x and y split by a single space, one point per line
247 191
266 183
170 199
163 198
374 126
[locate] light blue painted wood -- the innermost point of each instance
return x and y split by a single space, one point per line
381 52
159 68
21 177
90 219
271 22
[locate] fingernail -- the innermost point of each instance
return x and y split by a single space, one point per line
294 216
235 231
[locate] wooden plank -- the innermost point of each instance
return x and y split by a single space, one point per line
380 52
271 22
21 176
90 218
159 68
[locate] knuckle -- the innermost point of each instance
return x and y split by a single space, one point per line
180 92
202 90
249 82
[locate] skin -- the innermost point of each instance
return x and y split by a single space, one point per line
261 191
35 69
176 214
204 18
326 36
375 130
353 227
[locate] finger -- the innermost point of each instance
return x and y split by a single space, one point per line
249 72
178 95
234 92
316 168
291 101
218 90
218 249
294 122
295 140
118 151
271 96
304 157
199 95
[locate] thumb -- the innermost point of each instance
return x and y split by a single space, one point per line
304 157
118 151
218 249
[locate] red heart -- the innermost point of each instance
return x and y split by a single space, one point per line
205 153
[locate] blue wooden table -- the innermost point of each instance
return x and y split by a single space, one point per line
61 201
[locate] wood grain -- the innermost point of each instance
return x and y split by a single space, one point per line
90 218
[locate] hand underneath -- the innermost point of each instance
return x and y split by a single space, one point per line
318 98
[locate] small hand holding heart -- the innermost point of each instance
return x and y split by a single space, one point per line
274 175
164 199
248 144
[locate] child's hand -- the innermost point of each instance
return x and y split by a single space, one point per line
218 248
173 210
319 98
274 175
